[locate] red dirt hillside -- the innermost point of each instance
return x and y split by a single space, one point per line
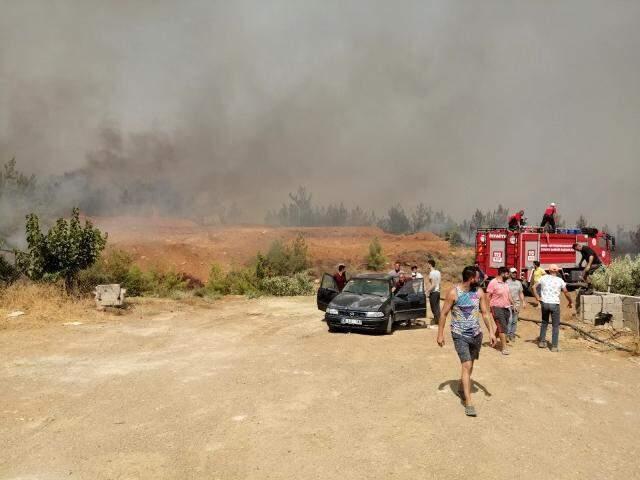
187 247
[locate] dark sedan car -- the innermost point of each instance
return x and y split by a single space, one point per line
368 302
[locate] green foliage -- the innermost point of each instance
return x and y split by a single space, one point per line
298 284
396 221
8 272
117 267
235 282
283 260
375 259
624 273
13 182
282 271
454 238
65 250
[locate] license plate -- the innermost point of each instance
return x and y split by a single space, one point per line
351 321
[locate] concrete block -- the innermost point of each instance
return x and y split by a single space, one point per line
109 295
591 308
590 300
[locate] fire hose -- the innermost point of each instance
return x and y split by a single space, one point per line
586 334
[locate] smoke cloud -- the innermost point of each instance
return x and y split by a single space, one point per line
204 105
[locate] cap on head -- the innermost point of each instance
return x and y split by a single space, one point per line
553 268
553 204
513 270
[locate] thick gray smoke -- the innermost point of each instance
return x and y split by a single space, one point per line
202 104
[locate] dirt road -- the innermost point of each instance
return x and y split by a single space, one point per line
258 389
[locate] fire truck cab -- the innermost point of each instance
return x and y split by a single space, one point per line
501 247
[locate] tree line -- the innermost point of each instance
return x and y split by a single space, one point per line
300 211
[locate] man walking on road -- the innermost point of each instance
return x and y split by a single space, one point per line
550 287
466 303
434 291
500 303
517 302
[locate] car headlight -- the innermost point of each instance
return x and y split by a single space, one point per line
374 314
332 311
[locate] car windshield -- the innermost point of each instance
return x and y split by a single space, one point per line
368 286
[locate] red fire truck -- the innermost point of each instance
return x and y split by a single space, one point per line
501 247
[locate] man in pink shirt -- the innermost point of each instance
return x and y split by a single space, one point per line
500 302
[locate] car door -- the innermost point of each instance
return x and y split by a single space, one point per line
411 301
327 291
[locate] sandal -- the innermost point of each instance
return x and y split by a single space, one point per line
470 411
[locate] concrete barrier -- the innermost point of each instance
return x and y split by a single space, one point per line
624 310
109 296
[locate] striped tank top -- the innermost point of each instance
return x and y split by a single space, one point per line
465 313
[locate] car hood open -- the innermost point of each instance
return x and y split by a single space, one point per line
353 301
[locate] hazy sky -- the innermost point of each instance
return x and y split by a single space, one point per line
460 104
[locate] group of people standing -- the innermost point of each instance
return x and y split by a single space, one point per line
400 278
499 307
432 288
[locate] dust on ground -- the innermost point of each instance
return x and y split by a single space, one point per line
187 247
256 389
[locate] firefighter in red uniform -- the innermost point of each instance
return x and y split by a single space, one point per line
516 220
549 217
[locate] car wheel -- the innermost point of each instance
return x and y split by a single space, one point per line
390 323
332 329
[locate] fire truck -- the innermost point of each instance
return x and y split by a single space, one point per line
502 247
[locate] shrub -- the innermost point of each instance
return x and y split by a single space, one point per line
8 272
624 273
165 284
236 282
298 284
454 238
282 260
65 250
242 282
375 259
396 221
117 267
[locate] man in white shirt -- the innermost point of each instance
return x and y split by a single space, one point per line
549 297
434 291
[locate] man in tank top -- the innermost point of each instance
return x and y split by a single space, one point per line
467 303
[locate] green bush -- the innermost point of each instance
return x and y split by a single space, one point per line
375 259
283 260
164 284
242 282
65 250
298 284
8 272
117 267
454 238
624 273
235 282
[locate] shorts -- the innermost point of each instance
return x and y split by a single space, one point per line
501 317
467 348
